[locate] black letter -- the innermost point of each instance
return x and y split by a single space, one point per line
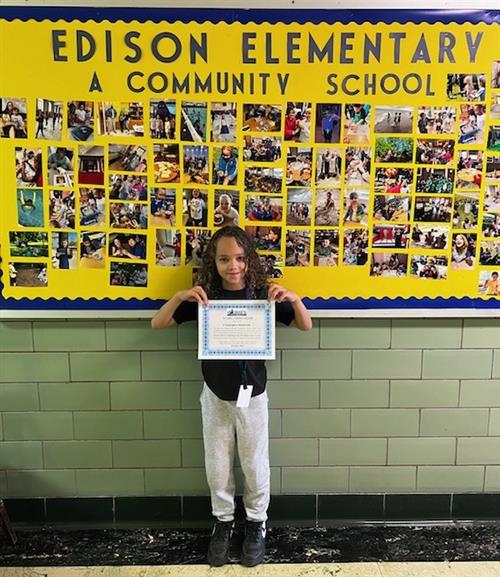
128 41
397 37
447 42
385 79
247 46
331 81
292 46
418 86
473 45
82 35
325 52
177 45
129 83
95 85
163 79
57 44
421 52
198 48
344 84
372 48
270 59
109 47
345 45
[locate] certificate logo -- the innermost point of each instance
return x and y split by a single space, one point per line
236 313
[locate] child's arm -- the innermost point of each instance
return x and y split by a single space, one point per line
302 318
165 316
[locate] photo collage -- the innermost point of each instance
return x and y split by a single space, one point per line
126 186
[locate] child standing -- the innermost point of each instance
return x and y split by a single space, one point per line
231 269
196 207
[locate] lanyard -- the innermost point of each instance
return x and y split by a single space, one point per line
244 376
243 364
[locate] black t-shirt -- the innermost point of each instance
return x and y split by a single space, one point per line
224 377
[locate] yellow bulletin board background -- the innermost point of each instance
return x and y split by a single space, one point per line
338 65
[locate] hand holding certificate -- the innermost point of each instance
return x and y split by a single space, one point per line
236 329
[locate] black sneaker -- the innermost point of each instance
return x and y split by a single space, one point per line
254 544
218 549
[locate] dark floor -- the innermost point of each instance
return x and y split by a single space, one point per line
286 544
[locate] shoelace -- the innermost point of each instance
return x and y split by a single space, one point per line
222 529
253 531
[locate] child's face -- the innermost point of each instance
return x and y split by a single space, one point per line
231 263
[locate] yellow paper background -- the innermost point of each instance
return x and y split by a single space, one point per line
28 71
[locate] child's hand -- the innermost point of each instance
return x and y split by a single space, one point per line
195 294
302 318
279 294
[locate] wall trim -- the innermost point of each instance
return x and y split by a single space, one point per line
296 510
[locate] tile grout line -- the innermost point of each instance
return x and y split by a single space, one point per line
105 336
181 452
38 396
32 328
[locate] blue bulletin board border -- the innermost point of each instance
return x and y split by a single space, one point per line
245 16
272 16
318 304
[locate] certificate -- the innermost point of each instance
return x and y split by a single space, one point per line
236 329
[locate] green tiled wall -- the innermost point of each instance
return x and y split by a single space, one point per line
94 408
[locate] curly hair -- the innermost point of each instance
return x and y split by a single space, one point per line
208 276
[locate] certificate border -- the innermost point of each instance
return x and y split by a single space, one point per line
267 353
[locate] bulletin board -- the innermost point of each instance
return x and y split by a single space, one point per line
360 150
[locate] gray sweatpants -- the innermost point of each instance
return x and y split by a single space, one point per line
226 426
